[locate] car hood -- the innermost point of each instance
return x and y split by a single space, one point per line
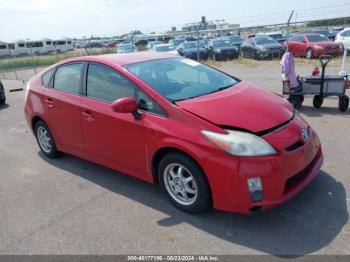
242 106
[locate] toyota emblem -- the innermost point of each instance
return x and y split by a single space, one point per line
305 134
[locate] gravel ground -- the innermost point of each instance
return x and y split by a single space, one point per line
71 206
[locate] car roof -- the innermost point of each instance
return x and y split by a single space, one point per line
125 58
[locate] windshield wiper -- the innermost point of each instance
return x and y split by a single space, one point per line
182 99
220 89
217 90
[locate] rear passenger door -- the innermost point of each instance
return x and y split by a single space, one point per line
62 105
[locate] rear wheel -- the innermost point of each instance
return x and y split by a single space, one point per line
45 140
317 101
343 103
184 183
309 54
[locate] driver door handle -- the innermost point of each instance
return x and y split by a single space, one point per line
87 115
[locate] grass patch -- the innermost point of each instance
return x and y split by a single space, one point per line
44 60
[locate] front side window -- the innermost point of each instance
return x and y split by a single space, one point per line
106 84
68 78
180 79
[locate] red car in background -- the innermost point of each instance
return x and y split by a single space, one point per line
208 138
313 45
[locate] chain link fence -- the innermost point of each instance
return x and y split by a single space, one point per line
306 40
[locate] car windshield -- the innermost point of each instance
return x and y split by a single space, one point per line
326 32
177 41
181 79
190 45
125 47
276 36
264 40
220 43
235 38
163 48
316 38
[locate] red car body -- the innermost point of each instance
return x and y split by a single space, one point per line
89 129
299 44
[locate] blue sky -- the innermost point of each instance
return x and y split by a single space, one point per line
35 19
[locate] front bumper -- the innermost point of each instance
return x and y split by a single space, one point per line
283 175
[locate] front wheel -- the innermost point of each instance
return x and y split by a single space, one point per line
184 183
45 140
309 54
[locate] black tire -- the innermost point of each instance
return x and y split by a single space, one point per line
343 103
203 200
317 101
309 54
3 97
53 152
296 101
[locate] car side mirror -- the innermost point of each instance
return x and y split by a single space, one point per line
126 105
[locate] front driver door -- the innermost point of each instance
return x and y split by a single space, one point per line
111 136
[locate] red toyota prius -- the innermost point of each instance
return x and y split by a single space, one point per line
208 139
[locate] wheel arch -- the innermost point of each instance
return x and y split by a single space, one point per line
161 152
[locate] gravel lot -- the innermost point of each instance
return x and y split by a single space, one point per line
71 206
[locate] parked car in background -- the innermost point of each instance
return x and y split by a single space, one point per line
176 41
191 49
313 45
221 49
262 47
2 94
234 40
163 48
343 38
207 138
153 43
126 48
330 33
93 44
279 37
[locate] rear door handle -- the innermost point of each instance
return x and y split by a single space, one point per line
87 115
49 102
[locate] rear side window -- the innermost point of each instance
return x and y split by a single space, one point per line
68 78
107 84
47 77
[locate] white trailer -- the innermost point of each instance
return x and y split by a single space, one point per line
40 47
63 45
18 48
4 50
